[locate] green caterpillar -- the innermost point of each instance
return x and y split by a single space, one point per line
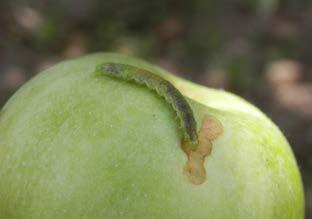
163 87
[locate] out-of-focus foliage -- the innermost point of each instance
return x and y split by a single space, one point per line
259 49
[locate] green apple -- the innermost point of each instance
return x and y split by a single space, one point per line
74 144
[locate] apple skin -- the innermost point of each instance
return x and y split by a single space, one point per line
76 145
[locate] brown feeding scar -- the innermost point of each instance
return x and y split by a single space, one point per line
194 168
197 145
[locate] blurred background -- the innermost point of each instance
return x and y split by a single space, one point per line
258 49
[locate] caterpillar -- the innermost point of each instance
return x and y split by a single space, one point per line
163 88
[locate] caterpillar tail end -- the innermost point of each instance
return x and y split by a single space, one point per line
99 70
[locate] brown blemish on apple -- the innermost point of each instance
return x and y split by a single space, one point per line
194 168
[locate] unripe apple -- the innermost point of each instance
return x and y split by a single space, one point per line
75 144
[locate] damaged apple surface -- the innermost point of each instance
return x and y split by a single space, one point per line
75 144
